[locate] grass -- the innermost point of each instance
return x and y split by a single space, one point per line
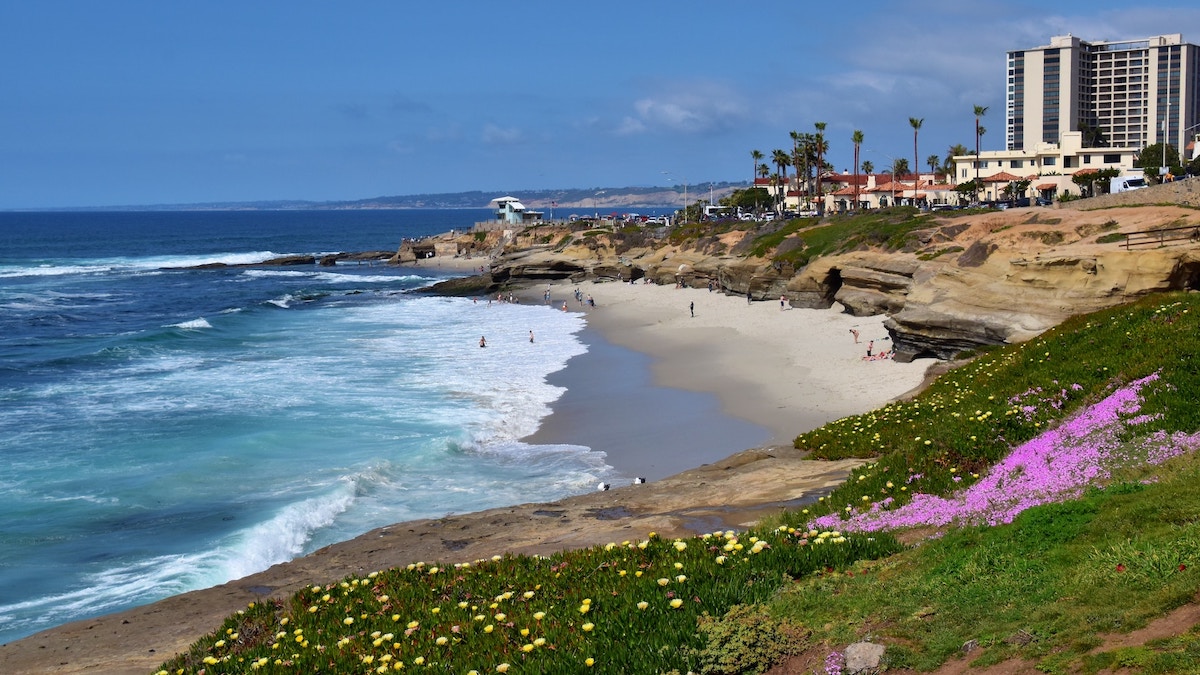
1042 582
889 229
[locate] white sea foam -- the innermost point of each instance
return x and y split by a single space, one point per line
283 301
283 536
194 324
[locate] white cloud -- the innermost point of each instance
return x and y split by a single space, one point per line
494 135
690 108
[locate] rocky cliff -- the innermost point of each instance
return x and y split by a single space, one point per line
956 284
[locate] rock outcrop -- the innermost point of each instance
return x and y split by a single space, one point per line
960 284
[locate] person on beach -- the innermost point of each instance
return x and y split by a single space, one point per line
748 298
782 299
564 307
482 341
870 346
854 332
692 309
530 337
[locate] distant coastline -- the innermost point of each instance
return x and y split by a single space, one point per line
569 198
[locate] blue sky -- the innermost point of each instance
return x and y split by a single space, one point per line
130 103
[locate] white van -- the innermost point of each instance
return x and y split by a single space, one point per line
1127 183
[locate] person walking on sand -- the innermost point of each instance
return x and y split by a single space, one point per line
482 341
692 309
782 299
530 337
748 298
870 346
854 332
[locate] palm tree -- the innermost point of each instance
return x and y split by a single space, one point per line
821 147
915 123
980 111
868 168
935 164
782 160
757 157
857 139
956 150
763 170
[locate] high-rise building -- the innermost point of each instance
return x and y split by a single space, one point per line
1117 94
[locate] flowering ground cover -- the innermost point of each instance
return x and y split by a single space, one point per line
1059 475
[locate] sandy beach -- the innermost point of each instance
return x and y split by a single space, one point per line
777 371
788 370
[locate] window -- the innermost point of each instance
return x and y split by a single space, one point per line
1087 159
1049 161
1016 164
1112 159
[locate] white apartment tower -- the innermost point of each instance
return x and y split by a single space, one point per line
1116 93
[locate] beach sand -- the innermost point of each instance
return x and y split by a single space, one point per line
788 370
779 372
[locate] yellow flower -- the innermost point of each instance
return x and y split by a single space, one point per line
587 627
720 560
589 662
526 647
462 605
676 603
539 615
678 566
539 642
419 660
348 620
527 594
441 641
664 581
643 605
681 578
680 546
583 609
524 632
502 668
414 624
489 628
500 616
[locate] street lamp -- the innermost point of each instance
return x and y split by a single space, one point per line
685 193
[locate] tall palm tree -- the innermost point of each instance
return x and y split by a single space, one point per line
916 123
782 160
934 163
868 168
857 139
797 157
980 111
757 157
821 147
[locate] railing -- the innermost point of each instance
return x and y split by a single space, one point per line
1162 237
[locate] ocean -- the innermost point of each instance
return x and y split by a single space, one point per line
166 429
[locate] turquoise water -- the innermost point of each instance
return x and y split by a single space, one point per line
163 430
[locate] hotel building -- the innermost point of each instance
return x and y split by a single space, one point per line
1116 93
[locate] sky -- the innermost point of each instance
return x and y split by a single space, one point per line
124 102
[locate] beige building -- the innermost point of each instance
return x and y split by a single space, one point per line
1122 94
1048 166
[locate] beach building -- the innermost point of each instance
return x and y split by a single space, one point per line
509 212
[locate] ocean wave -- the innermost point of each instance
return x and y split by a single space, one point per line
283 537
282 302
52 270
194 324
